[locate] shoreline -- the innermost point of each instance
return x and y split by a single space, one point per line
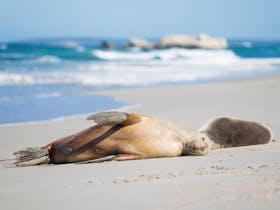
114 94
62 118
241 177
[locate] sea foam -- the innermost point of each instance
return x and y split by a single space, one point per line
167 54
48 59
140 68
15 79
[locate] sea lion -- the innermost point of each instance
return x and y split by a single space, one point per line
121 136
228 132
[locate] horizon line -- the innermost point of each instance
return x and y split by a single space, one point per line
106 38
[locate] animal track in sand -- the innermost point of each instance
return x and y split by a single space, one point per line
148 177
248 169
212 170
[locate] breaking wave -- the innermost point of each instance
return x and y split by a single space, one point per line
138 73
194 55
47 59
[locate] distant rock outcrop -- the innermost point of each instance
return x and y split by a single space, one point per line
108 45
177 40
140 43
192 41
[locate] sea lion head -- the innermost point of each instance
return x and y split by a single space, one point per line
197 144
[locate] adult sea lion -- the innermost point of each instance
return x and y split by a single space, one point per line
228 132
120 136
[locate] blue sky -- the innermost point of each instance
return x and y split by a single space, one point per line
24 19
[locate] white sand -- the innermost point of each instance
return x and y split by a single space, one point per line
234 178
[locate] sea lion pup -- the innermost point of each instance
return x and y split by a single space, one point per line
121 136
228 132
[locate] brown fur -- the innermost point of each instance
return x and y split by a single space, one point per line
227 132
137 137
122 136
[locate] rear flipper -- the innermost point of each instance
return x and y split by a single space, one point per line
32 156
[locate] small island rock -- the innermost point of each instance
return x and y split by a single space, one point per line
192 41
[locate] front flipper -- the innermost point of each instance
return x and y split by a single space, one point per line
99 160
118 157
108 118
114 118
121 157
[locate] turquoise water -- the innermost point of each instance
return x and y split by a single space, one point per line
47 79
37 102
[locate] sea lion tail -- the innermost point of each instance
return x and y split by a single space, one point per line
32 156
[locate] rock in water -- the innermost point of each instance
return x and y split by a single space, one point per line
140 43
108 45
192 41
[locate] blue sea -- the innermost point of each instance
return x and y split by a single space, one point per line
53 78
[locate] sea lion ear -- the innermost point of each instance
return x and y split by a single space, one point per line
108 118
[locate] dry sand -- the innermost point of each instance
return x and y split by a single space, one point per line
234 178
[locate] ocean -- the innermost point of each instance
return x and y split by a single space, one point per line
53 78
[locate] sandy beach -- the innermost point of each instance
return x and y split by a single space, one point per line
233 178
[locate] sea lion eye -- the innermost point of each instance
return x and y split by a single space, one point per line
67 150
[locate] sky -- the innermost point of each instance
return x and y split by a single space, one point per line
27 19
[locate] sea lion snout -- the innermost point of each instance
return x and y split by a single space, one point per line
199 145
